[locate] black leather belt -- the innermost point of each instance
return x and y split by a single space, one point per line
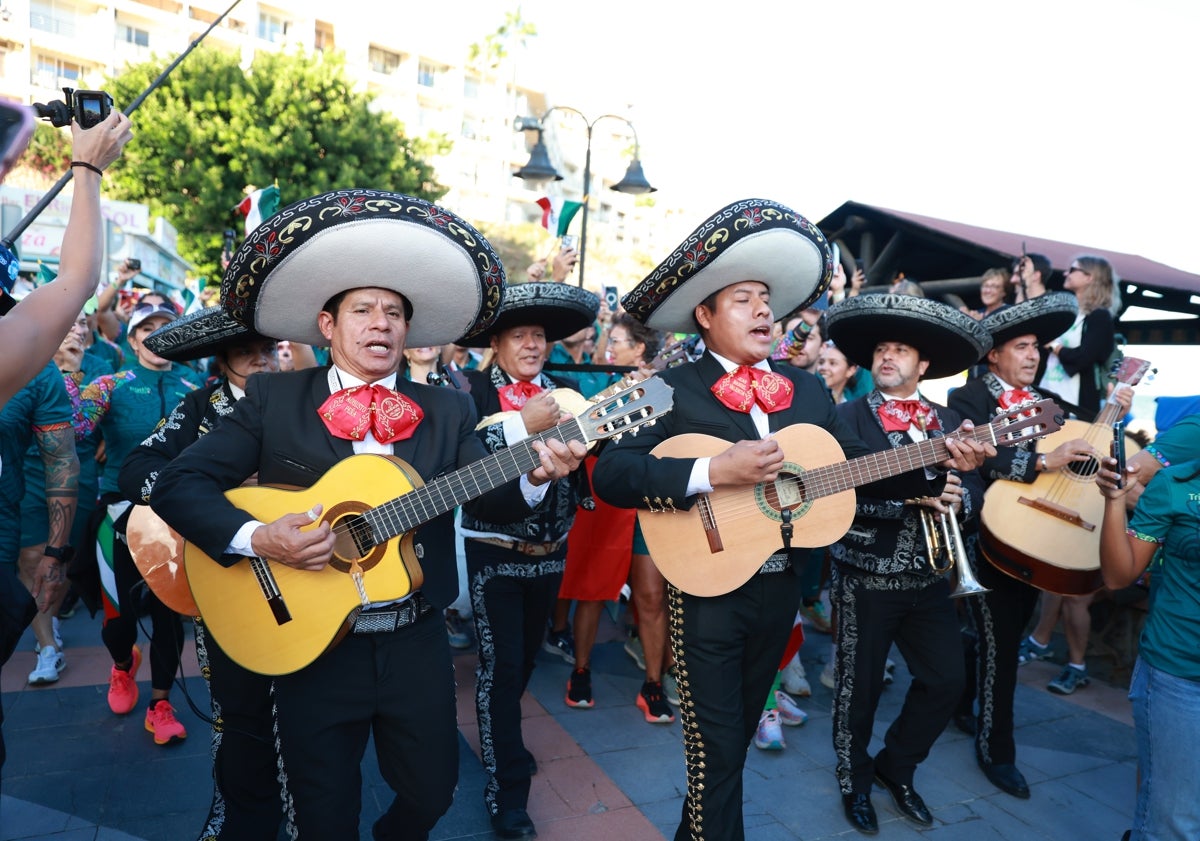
391 618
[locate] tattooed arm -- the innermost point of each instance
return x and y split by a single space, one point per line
57 445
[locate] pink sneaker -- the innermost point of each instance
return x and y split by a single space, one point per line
122 686
161 721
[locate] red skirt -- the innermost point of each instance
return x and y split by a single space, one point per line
599 547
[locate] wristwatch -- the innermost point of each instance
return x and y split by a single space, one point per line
1042 462
62 554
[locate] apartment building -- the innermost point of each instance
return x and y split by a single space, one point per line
417 72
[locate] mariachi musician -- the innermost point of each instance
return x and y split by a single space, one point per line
364 272
514 569
1001 615
887 585
749 261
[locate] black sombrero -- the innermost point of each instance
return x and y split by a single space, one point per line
753 239
196 335
309 251
561 308
1047 317
949 339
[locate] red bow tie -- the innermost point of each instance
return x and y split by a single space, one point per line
514 395
389 416
744 386
1014 396
899 415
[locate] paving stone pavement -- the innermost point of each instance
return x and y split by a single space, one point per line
75 772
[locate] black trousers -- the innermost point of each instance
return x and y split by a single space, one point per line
511 596
119 633
923 625
247 802
727 650
397 687
999 619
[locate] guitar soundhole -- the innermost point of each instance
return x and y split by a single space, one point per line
787 491
353 539
1083 470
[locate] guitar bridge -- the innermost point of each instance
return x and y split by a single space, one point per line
270 590
709 521
1058 511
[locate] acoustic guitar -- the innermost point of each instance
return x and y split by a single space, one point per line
1047 533
157 551
274 619
720 542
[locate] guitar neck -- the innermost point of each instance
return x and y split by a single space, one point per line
443 494
835 478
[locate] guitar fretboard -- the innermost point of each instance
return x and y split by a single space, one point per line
443 494
835 478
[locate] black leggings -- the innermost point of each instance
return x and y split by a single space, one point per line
120 632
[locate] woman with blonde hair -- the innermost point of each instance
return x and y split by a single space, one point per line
1073 368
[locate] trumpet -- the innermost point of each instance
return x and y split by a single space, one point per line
946 550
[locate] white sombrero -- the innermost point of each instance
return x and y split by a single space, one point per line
291 265
753 239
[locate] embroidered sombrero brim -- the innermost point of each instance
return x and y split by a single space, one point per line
292 264
949 339
1047 317
753 239
199 334
560 308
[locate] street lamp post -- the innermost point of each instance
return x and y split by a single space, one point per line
539 170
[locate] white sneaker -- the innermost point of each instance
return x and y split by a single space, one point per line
37 648
51 661
769 735
794 680
790 714
828 676
633 647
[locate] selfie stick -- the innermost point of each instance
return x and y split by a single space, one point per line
12 236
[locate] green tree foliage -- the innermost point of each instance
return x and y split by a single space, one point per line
213 129
49 151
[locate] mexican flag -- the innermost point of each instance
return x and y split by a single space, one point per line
557 213
259 206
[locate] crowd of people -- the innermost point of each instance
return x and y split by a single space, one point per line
138 410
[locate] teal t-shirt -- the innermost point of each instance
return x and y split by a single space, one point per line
1169 513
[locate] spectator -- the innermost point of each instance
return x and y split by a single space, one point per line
1074 369
1030 275
1165 688
838 372
993 289
126 407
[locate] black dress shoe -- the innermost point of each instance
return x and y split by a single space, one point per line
513 823
965 722
1007 778
907 800
860 813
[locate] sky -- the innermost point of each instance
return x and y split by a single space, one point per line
1068 120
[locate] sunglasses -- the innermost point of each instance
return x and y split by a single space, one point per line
1074 269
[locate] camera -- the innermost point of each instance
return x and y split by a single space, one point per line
88 108
133 264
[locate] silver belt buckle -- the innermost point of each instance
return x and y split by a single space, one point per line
377 622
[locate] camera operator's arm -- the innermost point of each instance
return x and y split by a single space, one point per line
32 332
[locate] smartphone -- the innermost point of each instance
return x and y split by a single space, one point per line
612 298
570 242
860 265
1118 450
16 127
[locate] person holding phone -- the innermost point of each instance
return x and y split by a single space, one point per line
1161 532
